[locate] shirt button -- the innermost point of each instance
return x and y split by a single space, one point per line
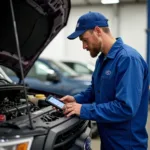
98 91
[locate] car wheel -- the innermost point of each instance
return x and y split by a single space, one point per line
94 130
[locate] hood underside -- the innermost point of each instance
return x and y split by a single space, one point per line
38 22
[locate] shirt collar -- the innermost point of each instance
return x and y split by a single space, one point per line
115 48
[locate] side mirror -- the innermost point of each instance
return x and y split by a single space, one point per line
53 77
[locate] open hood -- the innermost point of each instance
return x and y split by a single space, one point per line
38 22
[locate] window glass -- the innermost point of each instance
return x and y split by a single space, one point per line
64 69
4 73
81 69
8 71
40 71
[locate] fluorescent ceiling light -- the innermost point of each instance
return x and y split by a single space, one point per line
109 1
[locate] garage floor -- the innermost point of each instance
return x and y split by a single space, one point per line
96 142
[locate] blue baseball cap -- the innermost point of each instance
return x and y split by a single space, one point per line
88 21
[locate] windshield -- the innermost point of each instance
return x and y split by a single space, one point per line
64 69
3 75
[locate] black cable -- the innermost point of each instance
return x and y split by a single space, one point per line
19 55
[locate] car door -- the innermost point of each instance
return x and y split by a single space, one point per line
39 78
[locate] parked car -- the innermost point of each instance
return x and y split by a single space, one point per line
80 67
26 28
52 76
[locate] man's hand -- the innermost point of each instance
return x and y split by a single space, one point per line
72 109
68 99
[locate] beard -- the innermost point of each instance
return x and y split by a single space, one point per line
95 51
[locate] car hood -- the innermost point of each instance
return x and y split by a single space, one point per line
38 22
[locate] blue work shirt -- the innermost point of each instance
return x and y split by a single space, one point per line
117 99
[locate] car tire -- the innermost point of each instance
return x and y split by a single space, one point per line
94 129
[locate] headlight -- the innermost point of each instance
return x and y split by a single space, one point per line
18 144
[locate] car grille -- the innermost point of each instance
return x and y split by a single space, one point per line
68 134
52 116
65 140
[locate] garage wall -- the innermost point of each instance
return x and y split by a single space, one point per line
133 23
127 21
56 48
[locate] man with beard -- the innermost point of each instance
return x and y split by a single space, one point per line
117 98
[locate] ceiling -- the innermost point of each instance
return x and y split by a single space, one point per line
98 2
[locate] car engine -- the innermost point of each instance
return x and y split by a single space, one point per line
13 103
50 128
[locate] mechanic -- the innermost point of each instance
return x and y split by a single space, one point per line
117 98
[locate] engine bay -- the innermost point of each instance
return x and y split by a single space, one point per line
13 104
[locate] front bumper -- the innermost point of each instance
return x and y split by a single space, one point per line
62 133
